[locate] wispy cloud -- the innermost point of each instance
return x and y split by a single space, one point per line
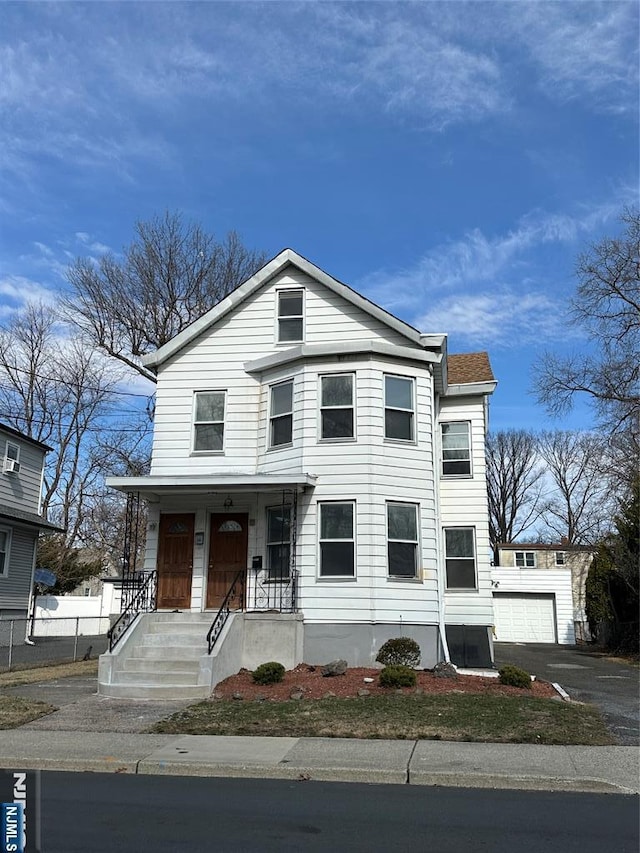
17 290
451 278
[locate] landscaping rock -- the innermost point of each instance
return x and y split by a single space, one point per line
363 692
329 695
296 694
238 696
336 667
445 670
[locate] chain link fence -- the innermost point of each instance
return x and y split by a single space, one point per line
57 639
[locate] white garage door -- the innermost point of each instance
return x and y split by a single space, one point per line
524 618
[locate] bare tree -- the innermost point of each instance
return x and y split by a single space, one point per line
171 274
57 391
580 507
514 484
607 308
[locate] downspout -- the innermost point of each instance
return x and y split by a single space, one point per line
439 574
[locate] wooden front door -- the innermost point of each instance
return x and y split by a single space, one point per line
227 556
175 560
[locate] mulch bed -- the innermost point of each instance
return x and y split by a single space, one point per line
309 681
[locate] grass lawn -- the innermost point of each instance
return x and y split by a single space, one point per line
455 717
15 711
48 673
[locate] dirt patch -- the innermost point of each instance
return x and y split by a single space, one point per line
309 681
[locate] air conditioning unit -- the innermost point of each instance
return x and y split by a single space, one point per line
11 466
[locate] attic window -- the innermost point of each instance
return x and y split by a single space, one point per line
290 315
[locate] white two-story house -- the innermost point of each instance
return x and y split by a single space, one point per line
318 466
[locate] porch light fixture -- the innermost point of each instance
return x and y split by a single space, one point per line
228 503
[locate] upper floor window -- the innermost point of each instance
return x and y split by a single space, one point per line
290 315
460 557
5 539
337 539
208 430
560 558
278 542
525 559
456 449
11 462
281 414
336 406
402 539
398 408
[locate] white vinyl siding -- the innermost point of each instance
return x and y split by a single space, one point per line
524 595
456 449
208 421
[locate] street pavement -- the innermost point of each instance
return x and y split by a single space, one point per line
102 734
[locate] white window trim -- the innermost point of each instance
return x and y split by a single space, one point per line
273 447
415 541
414 418
268 578
459 590
563 562
16 459
349 439
524 560
303 316
340 578
468 476
220 452
7 553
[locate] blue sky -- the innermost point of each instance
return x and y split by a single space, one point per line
449 160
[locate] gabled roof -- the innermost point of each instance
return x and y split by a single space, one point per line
470 367
27 438
260 278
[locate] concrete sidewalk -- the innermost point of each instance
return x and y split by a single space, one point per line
605 769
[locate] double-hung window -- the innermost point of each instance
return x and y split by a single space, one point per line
5 541
337 539
398 408
11 458
336 406
525 559
560 560
281 414
460 557
290 316
456 449
402 539
208 428
278 542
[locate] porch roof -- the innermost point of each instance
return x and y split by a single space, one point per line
154 485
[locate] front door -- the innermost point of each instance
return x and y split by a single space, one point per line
175 561
227 556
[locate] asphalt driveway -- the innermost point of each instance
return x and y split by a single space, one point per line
609 684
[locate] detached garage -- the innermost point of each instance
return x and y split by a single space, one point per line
532 606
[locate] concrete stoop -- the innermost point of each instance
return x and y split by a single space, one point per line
161 659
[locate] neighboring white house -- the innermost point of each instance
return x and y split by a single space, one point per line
539 592
334 456
21 520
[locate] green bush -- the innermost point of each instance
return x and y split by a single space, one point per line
400 651
268 673
514 676
397 676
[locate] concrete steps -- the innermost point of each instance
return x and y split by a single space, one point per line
162 660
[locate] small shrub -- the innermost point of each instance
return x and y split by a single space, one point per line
514 676
268 673
400 651
397 676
